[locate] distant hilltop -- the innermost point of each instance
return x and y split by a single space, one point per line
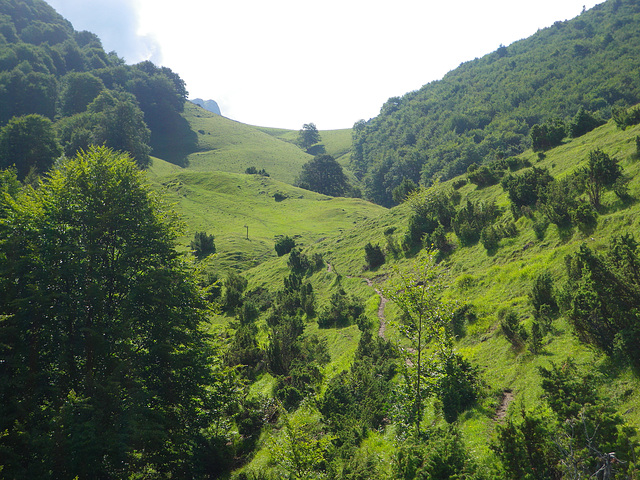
210 105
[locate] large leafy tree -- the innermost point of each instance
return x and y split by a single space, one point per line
324 175
308 135
28 142
112 119
105 371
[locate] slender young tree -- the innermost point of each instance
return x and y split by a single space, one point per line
417 294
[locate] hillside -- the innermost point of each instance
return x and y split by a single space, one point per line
486 108
488 283
226 204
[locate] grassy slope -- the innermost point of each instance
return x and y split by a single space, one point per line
229 146
224 203
490 282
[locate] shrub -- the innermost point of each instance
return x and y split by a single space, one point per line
513 329
343 310
284 245
374 255
203 245
583 123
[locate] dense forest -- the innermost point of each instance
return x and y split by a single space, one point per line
487 108
487 327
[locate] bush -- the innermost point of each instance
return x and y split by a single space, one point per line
373 255
343 310
513 329
284 245
459 387
203 245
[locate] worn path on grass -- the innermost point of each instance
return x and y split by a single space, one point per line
383 301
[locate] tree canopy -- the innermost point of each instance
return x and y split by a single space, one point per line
324 175
105 367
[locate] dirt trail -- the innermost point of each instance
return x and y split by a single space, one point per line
501 411
383 301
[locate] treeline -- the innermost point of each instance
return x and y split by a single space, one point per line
497 106
65 83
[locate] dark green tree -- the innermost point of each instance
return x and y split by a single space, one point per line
601 172
582 123
112 119
105 367
308 136
203 245
284 245
79 90
324 175
29 142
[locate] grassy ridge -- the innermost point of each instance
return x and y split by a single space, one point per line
226 203
229 146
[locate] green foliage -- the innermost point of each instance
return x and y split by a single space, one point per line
558 200
441 455
254 171
547 135
512 328
524 189
425 321
358 400
625 117
582 123
298 451
116 316
373 255
284 245
602 297
234 286
487 108
472 218
79 90
601 172
526 450
203 245
28 143
343 310
402 191
459 386
324 175
308 136
483 176
112 119
543 298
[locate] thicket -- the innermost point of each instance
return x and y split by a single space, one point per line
579 436
486 109
602 298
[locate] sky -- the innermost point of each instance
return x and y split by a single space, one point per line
284 63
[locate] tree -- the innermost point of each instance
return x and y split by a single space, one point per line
80 89
601 172
583 123
308 136
324 175
112 119
105 366
203 245
424 319
29 142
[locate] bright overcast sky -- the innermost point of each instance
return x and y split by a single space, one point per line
283 63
